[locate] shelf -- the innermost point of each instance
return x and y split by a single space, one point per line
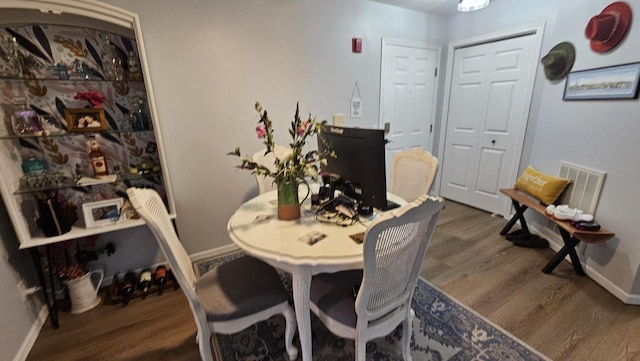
73 134
35 83
79 80
69 183
79 232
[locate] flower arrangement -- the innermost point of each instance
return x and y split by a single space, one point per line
95 98
296 165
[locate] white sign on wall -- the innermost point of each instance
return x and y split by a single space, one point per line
356 103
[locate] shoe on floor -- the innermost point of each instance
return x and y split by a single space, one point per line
532 242
518 234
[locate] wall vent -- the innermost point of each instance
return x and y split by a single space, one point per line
584 191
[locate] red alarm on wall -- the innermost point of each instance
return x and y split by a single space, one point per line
356 45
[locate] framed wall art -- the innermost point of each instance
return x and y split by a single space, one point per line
85 120
102 213
613 82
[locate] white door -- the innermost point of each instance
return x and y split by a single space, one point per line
487 111
407 95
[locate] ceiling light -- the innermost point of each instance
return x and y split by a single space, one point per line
472 5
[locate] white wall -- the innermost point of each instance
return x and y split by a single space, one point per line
211 60
17 316
602 135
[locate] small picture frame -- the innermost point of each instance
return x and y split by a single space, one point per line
103 213
85 119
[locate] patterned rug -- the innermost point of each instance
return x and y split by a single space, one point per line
443 330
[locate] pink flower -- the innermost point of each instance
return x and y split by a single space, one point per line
303 127
95 98
261 131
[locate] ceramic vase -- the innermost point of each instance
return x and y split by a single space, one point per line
83 293
288 202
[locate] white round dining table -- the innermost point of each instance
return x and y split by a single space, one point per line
255 228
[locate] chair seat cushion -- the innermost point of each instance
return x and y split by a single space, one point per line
333 294
239 288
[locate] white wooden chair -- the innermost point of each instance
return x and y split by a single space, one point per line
266 184
227 299
412 173
394 248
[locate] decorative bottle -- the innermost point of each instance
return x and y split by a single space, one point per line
32 165
128 286
97 158
134 67
161 278
145 281
111 62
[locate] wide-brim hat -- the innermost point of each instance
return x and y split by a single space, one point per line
608 28
559 61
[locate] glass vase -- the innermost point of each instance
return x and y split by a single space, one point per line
288 203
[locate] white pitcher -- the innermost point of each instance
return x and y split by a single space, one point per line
83 294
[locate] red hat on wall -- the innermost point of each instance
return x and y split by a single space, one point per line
608 28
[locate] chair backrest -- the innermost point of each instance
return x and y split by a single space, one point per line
394 248
151 209
266 184
412 173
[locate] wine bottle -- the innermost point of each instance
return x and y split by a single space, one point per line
161 278
145 281
128 286
97 158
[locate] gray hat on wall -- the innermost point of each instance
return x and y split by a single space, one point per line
559 61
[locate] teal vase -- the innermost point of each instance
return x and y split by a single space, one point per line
288 202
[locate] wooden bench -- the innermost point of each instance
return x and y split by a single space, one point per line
571 236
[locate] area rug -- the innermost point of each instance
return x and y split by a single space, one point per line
443 330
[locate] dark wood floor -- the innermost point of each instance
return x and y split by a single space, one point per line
563 315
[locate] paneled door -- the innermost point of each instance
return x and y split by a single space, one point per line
487 111
407 95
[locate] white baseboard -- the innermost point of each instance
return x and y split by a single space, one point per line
108 279
556 243
213 252
32 336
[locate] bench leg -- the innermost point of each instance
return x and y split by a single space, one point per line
569 248
518 216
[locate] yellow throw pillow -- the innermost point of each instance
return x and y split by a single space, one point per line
542 186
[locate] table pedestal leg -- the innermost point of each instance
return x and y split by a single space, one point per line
301 290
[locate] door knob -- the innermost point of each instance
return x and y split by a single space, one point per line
493 142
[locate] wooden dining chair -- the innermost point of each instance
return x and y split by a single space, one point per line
370 303
266 184
412 173
228 298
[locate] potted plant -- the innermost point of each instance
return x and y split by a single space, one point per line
292 169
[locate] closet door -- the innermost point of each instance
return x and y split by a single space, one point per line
487 112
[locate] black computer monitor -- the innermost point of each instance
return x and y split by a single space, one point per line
360 159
